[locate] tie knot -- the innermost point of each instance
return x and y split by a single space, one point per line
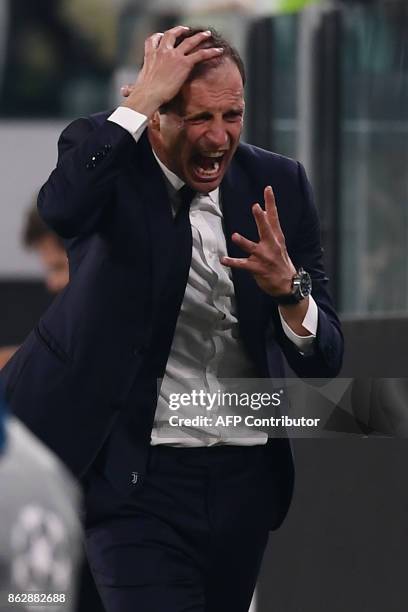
186 194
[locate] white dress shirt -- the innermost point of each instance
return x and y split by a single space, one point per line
206 346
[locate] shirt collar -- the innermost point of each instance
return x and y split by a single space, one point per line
177 183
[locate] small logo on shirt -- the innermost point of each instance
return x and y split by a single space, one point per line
135 476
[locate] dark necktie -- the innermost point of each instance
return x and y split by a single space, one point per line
176 278
186 195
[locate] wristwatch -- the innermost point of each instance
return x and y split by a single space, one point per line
301 288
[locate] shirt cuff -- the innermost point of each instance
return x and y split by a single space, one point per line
303 343
131 121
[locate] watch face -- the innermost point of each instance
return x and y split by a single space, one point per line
305 285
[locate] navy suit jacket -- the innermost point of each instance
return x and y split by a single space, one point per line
85 379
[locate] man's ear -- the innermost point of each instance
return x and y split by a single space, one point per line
154 121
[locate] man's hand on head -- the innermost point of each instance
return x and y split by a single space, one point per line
165 68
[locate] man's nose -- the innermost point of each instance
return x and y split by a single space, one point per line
217 137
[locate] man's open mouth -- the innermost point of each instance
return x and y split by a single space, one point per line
207 166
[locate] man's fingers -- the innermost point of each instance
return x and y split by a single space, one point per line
126 90
168 40
170 36
261 220
153 42
246 245
241 263
188 44
270 204
157 38
205 54
272 213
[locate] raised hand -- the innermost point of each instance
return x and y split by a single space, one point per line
268 259
165 68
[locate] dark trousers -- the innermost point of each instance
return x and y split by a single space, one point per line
190 540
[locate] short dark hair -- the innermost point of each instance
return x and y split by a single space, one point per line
201 68
35 229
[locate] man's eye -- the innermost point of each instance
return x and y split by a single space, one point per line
234 117
197 120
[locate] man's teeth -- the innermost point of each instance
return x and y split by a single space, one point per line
210 172
212 165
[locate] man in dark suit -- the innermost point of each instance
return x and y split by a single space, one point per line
175 275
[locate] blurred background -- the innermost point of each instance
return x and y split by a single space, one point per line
328 85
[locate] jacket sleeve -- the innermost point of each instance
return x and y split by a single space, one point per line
81 186
325 360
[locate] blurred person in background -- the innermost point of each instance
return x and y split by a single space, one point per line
170 257
50 250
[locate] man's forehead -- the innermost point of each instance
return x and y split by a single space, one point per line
221 87
222 98
225 104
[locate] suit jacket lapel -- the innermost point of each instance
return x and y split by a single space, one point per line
238 194
152 188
